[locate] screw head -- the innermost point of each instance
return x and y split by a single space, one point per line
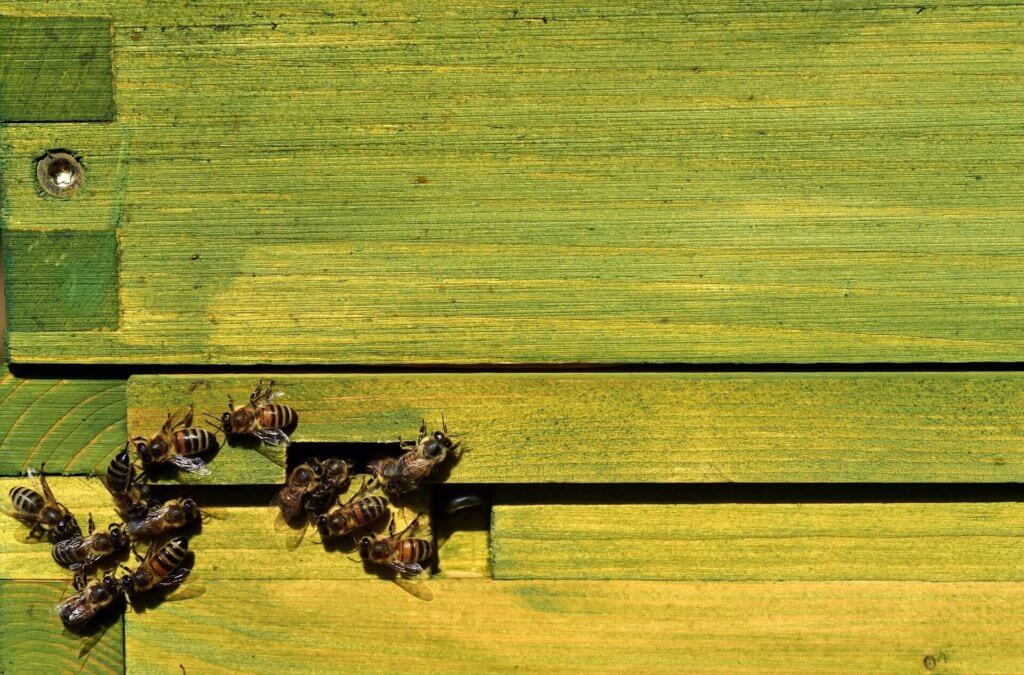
59 173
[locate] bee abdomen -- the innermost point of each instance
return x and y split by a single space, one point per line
169 557
277 416
194 441
369 509
414 550
27 500
67 553
119 472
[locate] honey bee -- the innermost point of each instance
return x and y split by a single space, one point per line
401 553
80 553
261 417
356 513
303 480
42 511
334 481
172 515
178 443
160 568
407 472
126 487
92 597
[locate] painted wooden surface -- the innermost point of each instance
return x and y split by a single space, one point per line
233 542
660 428
480 625
420 183
760 542
73 426
32 640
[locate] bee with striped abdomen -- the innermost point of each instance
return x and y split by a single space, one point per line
261 417
303 480
160 568
42 511
160 519
178 443
80 553
126 487
356 513
91 598
402 553
407 472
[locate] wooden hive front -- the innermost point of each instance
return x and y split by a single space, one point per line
722 300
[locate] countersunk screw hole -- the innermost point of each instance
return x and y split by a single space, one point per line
60 174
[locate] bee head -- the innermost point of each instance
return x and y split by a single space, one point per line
321 522
118 537
123 458
66 527
365 544
142 447
110 584
189 508
225 422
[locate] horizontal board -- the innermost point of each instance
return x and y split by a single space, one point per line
74 426
760 542
480 625
33 641
233 542
412 183
649 427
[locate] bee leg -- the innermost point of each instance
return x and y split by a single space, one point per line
423 429
189 416
411 528
444 425
92 524
79 582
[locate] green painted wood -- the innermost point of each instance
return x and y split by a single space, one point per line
482 625
55 69
33 641
760 542
74 426
650 427
410 183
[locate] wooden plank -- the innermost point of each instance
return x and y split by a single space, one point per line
74 426
414 183
760 542
33 641
480 625
55 69
234 542
654 427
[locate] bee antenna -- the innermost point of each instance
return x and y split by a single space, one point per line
444 426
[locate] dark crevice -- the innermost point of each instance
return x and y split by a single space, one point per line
94 371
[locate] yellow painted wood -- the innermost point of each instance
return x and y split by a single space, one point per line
480 625
410 182
651 427
33 641
233 542
74 426
760 542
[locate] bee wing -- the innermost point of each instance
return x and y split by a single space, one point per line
190 464
272 436
174 578
406 569
214 514
186 591
148 524
27 518
295 535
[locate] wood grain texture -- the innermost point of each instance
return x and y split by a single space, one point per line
479 625
234 542
653 427
74 426
760 542
417 183
55 69
33 641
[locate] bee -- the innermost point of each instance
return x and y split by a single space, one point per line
303 480
172 515
406 472
261 418
160 568
401 553
357 512
92 598
178 443
334 480
42 511
80 553
126 487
